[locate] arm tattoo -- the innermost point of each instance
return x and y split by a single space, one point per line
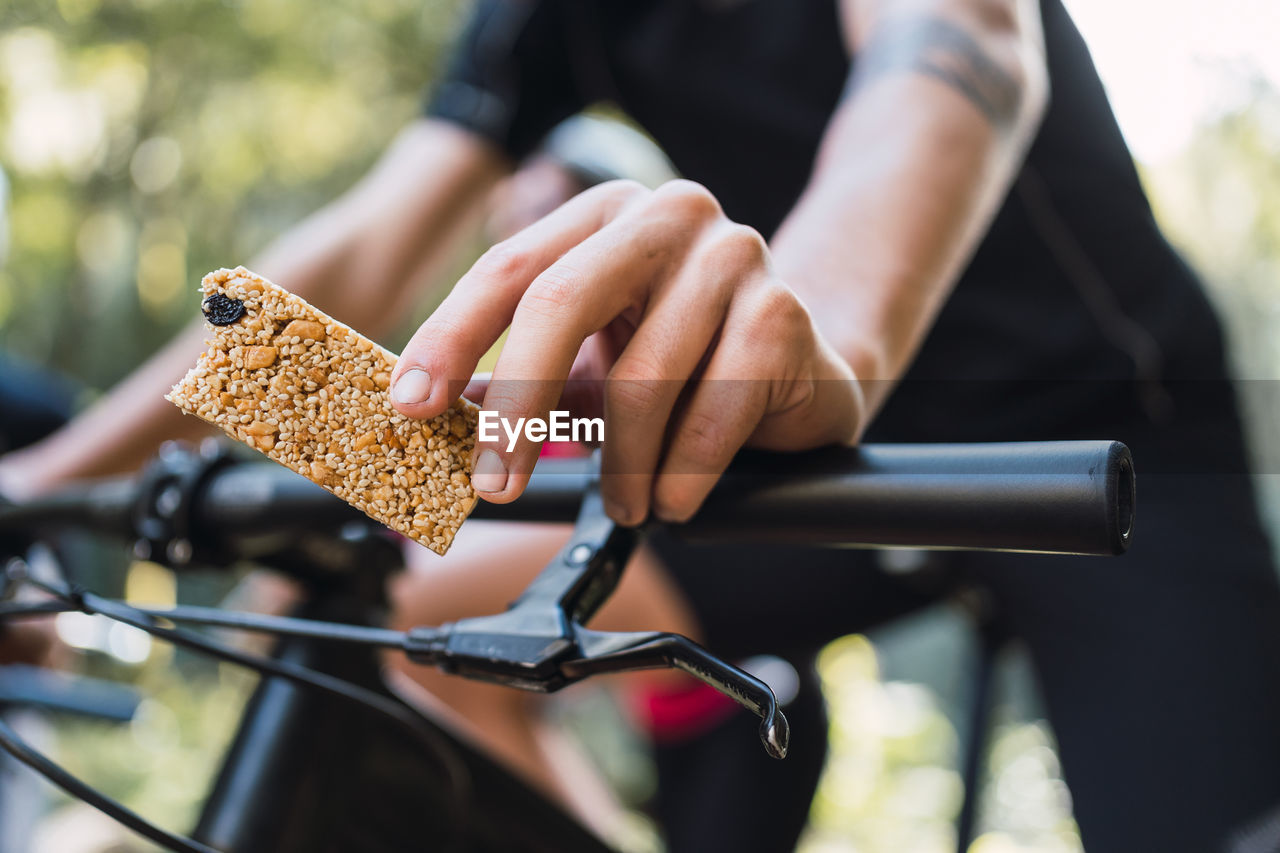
943 50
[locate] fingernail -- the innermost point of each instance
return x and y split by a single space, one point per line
617 511
413 386
489 475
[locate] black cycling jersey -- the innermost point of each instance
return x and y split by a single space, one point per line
1073 316
1073 319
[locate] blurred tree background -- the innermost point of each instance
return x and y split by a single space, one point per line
1219 201
147 142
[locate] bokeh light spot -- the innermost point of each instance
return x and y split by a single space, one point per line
155 163
42 223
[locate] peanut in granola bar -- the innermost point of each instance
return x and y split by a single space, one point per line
287 379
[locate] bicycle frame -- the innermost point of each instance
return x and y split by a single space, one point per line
307 773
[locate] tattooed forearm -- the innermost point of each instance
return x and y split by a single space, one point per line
943 50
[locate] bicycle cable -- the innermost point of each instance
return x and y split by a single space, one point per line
233 620
30 609
76 598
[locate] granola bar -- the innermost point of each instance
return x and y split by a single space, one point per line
309 392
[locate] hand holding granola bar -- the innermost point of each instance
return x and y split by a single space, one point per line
674 313
287 379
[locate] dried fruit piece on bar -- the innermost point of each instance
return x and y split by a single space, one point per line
311 393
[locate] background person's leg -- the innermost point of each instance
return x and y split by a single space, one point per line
789 601
1161 669
33 403
718 790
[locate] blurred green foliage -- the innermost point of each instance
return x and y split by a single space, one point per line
1219 201
162 763
148 142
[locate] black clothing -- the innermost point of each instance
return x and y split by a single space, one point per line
704 780
33 403
1073 295
1074 319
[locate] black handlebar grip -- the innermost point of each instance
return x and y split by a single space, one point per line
1053 497
261 498
1071 497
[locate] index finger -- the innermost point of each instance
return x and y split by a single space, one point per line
437 363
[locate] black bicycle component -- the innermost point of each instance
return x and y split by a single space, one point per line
1073 497
309 628
1070 497
611 652
1064 497
540 643
312 720
37 687
163 511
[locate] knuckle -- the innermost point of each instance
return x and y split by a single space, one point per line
704 441
503 261
632 387
633 366
516 398
552 292
521 409
619 193
734 255
741 243
440 342
445 333
689 197
774 309
623 189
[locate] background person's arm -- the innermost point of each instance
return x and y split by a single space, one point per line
362 259
945 99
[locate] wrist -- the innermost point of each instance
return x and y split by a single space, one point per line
870 367
840 399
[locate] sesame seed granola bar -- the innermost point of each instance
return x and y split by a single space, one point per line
309 392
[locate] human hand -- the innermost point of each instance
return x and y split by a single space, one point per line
703 348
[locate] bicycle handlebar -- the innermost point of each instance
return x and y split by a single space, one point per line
1053 497
1066 497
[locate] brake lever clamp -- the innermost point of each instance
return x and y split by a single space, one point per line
163 515
540 643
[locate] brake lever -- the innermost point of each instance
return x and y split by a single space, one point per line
540 643
604 652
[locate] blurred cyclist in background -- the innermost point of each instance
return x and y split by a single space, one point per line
33 404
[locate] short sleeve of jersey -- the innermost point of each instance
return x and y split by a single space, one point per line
510 78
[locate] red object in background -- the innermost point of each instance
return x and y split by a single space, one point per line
673 714
563 450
